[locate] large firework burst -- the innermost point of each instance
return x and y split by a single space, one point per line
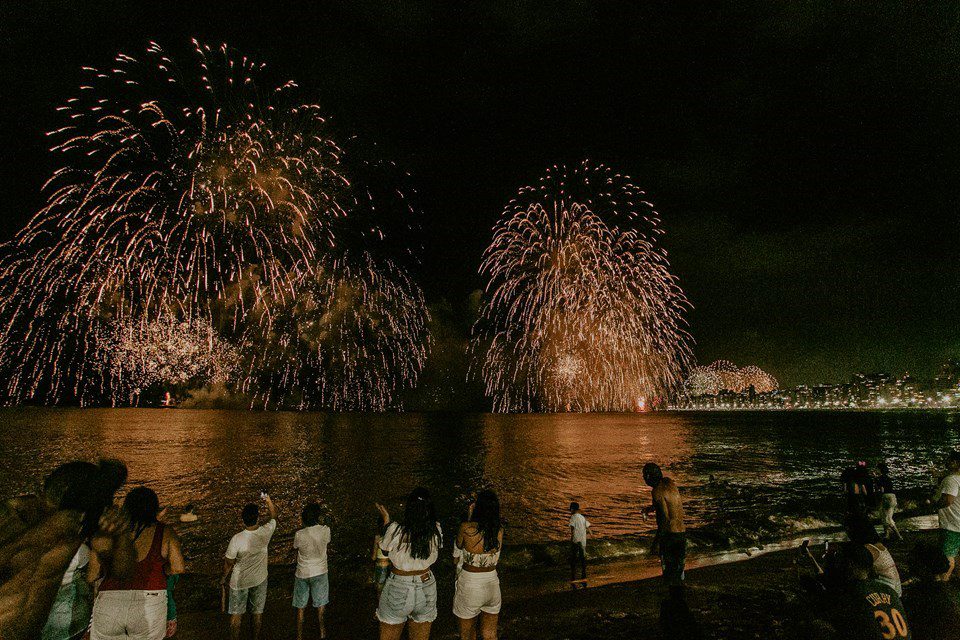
186 195
582 312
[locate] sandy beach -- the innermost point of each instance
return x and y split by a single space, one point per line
757 597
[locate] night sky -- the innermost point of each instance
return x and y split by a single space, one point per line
805 159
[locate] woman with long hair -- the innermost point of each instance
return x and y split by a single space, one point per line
410 593
476 553
136 607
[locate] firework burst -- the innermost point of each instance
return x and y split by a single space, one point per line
724 376
582 312
186 195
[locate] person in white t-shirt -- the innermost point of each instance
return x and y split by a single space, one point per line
579 526
245 567
311 578
949 512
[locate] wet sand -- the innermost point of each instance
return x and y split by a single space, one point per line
753 598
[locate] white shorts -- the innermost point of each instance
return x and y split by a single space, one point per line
476 592
129 614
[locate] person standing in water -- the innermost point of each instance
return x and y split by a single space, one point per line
579 526
670 542
888 502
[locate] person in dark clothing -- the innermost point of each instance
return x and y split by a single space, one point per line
933 605
859 607
858 487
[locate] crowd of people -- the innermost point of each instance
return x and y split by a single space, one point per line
75 565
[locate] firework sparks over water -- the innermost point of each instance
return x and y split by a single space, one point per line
724 376
193 196
581 311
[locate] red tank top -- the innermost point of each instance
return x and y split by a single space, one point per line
148 575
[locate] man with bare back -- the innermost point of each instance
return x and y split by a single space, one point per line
670 542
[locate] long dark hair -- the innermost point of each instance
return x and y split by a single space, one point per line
141 506
486 515
419 526
85 487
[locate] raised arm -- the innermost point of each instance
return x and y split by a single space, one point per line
271 508
384 514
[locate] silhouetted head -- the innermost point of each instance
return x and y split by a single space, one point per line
310 514
142 506
574 507
85 487
189 508
883 468
250 514
419 526
486 514
652 474
850 563
861 531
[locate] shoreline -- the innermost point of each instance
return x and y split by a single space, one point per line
733 595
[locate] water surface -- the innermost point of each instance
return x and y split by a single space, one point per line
773 471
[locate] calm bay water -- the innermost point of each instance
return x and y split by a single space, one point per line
775 473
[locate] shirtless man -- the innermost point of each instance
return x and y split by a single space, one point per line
671 539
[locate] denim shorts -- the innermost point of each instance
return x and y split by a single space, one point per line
410 598
256 595
380 574
316 587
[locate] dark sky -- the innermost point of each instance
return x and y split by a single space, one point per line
805 157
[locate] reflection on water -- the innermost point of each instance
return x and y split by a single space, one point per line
776 463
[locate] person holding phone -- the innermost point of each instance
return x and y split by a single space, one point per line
245 567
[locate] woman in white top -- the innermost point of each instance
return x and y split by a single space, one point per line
476 553
410 593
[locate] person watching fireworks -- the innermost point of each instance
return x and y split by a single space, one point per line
670 541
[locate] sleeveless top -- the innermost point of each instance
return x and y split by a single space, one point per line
148 574
479 560
886 569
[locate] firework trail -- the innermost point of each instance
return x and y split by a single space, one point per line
581 311
350 319
186 195
724 376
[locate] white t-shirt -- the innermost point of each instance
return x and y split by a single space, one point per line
249 549
399 552
311 545
950 516
578 528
